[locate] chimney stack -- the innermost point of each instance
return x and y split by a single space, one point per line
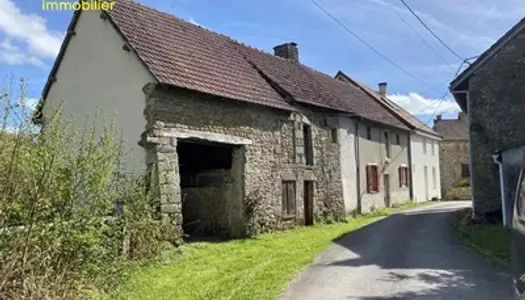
382 88
438 118
288 51
462 116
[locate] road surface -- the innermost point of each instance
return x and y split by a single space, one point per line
409 255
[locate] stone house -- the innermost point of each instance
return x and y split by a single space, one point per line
454 157
421 146
491 92
227 126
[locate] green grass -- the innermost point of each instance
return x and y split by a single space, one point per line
489 240
256 268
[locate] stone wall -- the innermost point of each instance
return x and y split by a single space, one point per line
452 154
496 110
269 141
458 193
204 204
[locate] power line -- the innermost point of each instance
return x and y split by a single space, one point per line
430 119
367 44
417 34
430 30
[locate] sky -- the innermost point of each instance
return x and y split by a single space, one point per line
30 39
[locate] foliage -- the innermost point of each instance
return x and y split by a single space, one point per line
257 221
59 235
463 182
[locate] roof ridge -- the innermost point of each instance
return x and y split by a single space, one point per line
230 39
214 63
389 102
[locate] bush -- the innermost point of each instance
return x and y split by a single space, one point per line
463 182
61 235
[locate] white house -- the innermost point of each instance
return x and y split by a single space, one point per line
423 149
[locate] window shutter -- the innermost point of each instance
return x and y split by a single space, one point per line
400 175
376 173
369 179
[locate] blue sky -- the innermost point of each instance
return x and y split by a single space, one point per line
30 38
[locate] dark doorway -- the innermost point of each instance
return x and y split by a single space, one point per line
206 183
308 203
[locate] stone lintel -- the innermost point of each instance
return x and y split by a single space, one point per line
203 135
288 176
309 175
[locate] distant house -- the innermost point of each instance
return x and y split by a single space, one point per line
454 157
422 170
492 92
227 125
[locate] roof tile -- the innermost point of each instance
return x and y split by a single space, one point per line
182 54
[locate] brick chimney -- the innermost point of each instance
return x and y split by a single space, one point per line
382 88
462 116
438 118
288 50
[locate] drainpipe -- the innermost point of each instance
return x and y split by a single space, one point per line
497 159
358 165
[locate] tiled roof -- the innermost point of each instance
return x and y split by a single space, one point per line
181 54
452 129
412 121
308 86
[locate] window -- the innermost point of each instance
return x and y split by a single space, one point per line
308 145
432 148
404 176
434 179
334 135
398 139
387 145
369 132
288 198
465 171
372 179
424 146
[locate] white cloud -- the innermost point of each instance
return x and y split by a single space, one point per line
30 103
13 55
416 104
31 30
192 21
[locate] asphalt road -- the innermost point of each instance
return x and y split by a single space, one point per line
409 255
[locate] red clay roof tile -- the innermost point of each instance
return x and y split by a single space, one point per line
182 54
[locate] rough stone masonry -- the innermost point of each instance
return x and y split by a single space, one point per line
268 148
496 110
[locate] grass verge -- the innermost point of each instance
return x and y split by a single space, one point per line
489 240
257 268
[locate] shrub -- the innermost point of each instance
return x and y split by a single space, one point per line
59 234
463 182
257 221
